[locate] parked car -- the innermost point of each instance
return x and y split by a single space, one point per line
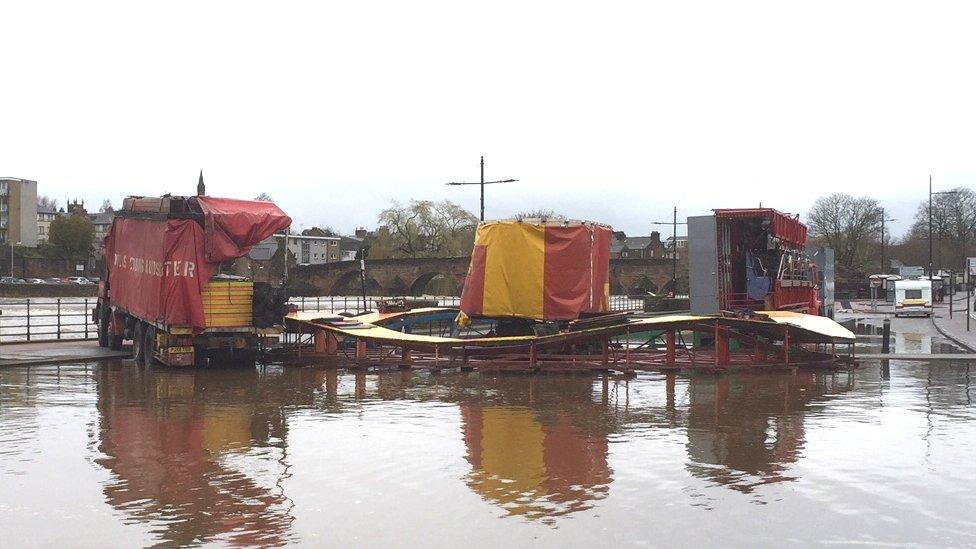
78 280
53 281
34 281
11 280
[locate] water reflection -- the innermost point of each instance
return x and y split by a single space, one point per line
178 444
534 459
236 457
745 430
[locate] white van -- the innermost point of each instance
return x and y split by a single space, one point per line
913 297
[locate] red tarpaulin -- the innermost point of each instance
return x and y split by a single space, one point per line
538 270
234 226
157 269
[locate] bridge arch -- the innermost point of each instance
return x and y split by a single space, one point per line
349 284
445 284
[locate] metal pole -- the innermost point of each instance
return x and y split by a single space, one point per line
930 226
674 253
886 336
11 244
362 276
968 307
883 270
482 188
952 283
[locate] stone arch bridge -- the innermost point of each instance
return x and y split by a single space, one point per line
411 276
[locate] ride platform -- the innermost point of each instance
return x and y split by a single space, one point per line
624 342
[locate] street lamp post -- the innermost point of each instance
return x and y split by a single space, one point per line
674 248
931 194
884 269
12 257
482 184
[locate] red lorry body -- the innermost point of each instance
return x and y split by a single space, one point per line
159 262
158 268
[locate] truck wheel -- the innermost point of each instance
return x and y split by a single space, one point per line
138 342
103 320
114 341
149 345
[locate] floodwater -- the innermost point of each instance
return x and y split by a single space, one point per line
113 455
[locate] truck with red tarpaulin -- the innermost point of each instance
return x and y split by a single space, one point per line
163 288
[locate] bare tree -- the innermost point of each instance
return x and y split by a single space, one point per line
47 202
429 229
106 206
264 197
851 226
539 213
953 226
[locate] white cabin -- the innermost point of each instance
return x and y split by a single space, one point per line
913 297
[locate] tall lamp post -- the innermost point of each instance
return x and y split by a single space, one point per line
931 194
12 258
674 248
884 270
482 184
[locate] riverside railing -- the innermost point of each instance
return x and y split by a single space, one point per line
33 320
46 319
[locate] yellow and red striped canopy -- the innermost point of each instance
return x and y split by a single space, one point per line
538 270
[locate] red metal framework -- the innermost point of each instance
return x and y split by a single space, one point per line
774 240
786 227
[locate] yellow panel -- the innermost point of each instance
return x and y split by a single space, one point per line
227 303
514 269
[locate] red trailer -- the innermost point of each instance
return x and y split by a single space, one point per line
762 264
162 289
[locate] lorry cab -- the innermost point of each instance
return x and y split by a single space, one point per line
913 297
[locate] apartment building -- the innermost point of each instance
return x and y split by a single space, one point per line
18 211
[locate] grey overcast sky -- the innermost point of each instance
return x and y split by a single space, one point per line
611 111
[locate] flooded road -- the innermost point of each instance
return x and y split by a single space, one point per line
110 454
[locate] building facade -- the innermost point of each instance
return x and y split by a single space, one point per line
312 250
18 211
636 247
45 215
102 222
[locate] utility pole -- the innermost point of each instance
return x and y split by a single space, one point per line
674 255
884 269
482 184
482 217
674 248
931 194
930 226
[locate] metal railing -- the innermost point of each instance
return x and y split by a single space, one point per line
46 319
353 304
31 320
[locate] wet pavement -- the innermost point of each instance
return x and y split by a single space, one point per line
111 454
50 352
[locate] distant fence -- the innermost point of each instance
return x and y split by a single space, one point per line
28 320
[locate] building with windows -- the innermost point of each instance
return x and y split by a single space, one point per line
636 247
312 250
102 222
681 248
18 211
45 215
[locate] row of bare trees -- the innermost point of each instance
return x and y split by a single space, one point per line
852 227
